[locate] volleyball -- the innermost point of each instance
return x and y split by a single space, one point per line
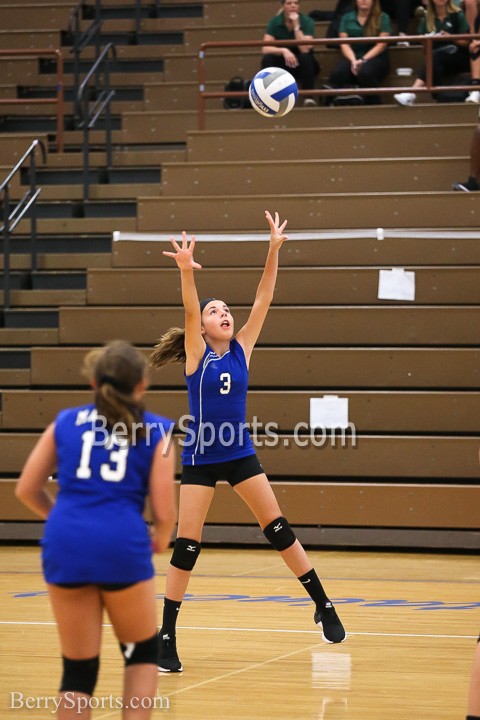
273 92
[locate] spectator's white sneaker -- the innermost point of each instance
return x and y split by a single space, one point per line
405 98
473 97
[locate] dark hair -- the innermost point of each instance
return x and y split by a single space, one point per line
204 303
117 368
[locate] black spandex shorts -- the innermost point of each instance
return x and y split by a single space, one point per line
108 587
233 471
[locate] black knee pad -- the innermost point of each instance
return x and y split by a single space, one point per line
141 652
80 675
185 553
280 534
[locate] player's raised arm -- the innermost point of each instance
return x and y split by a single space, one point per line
194 342
248 335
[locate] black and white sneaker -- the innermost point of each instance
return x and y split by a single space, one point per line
167 657
471 185
332 629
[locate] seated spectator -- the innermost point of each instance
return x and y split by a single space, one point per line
472 184
450 56
290 24
363 65
398 10
468 6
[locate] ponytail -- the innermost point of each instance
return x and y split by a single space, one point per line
120 408
170 348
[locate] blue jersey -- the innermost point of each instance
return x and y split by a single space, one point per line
96 532
217 394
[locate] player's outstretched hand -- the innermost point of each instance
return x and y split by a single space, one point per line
276 230
183 256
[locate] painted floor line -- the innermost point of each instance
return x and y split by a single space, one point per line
223 676
246 576
273 630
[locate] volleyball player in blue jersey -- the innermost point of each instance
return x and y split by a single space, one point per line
96 550
218 445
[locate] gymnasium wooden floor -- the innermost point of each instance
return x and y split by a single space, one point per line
249 646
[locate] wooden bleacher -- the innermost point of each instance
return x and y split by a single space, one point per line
409 370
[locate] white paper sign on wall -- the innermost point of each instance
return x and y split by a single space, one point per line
329 411
396 284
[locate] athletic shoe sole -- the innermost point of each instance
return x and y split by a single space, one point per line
166 670
330 642
324 638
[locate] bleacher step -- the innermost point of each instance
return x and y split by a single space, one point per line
89 209
25 319
74 176
23 299
176 10
66 244
15 359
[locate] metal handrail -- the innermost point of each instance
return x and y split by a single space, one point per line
81 40
90 117
59 99
426 40
12 218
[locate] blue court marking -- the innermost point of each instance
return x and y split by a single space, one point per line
303 601
324 578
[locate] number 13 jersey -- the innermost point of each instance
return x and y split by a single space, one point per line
96 532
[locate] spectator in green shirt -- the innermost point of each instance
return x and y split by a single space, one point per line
450 56
363 65
290 24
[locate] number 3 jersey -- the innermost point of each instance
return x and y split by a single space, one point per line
217 394
96 532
